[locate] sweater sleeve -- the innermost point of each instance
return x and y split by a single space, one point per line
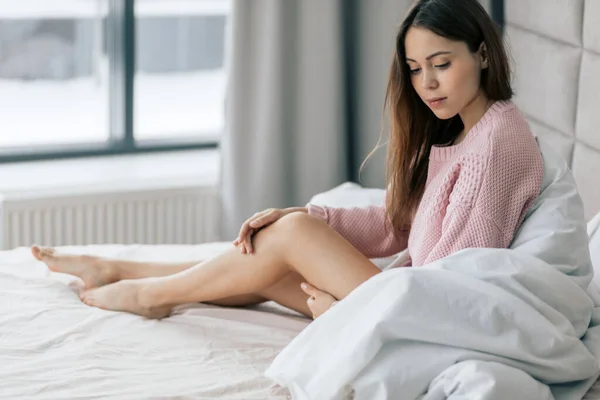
488 204
465 227
366 228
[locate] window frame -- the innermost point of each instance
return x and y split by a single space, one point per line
120 36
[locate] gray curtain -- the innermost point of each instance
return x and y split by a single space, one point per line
286 134
305 96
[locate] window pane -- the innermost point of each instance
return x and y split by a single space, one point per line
53 72
180 77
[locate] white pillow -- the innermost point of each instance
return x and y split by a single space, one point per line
349 194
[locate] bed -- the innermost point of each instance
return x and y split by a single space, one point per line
53 346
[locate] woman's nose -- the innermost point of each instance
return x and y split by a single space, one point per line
428 80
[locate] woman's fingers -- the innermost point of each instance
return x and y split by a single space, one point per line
259 221
308 289
319 301
264 218
249 228
248 242
243 232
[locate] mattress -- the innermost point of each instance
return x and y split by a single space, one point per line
53 346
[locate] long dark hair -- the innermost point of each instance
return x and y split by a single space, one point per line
414 129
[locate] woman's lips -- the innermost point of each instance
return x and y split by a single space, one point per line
436 102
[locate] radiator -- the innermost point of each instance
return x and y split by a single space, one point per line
173 216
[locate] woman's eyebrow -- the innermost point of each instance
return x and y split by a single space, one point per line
429 57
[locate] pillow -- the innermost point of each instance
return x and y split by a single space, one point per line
349 194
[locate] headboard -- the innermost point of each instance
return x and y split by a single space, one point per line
555 46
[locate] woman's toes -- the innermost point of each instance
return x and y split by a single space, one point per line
87 301
42 253
47 252
36 251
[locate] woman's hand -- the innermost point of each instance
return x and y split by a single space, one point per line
319 301
257 222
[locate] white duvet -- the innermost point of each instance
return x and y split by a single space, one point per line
485 324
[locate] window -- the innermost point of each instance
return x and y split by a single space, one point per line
92 77
180 80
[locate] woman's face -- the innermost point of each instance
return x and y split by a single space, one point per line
444 73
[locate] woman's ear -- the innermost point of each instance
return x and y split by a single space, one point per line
483 57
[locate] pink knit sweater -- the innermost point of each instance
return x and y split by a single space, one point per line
476 195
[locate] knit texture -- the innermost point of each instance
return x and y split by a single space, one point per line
477 194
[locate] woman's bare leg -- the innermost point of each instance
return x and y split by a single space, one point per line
296 243
99 271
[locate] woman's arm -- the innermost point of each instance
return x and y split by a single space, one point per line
489 214
368 229
465 227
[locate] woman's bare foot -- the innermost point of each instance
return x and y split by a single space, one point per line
128 295
94 271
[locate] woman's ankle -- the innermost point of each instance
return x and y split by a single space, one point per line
110 268
153 293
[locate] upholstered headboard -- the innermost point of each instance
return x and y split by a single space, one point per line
556 50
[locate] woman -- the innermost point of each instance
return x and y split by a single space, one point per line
462 170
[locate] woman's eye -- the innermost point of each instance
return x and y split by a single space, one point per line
443 66
415 71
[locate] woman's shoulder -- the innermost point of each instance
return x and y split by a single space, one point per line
510 123
508 142
505 140
503 125
512 144
508 133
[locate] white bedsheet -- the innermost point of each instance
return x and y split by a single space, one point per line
54 347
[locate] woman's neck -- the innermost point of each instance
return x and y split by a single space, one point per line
472 113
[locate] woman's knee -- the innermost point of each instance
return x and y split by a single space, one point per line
297 223
288 230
